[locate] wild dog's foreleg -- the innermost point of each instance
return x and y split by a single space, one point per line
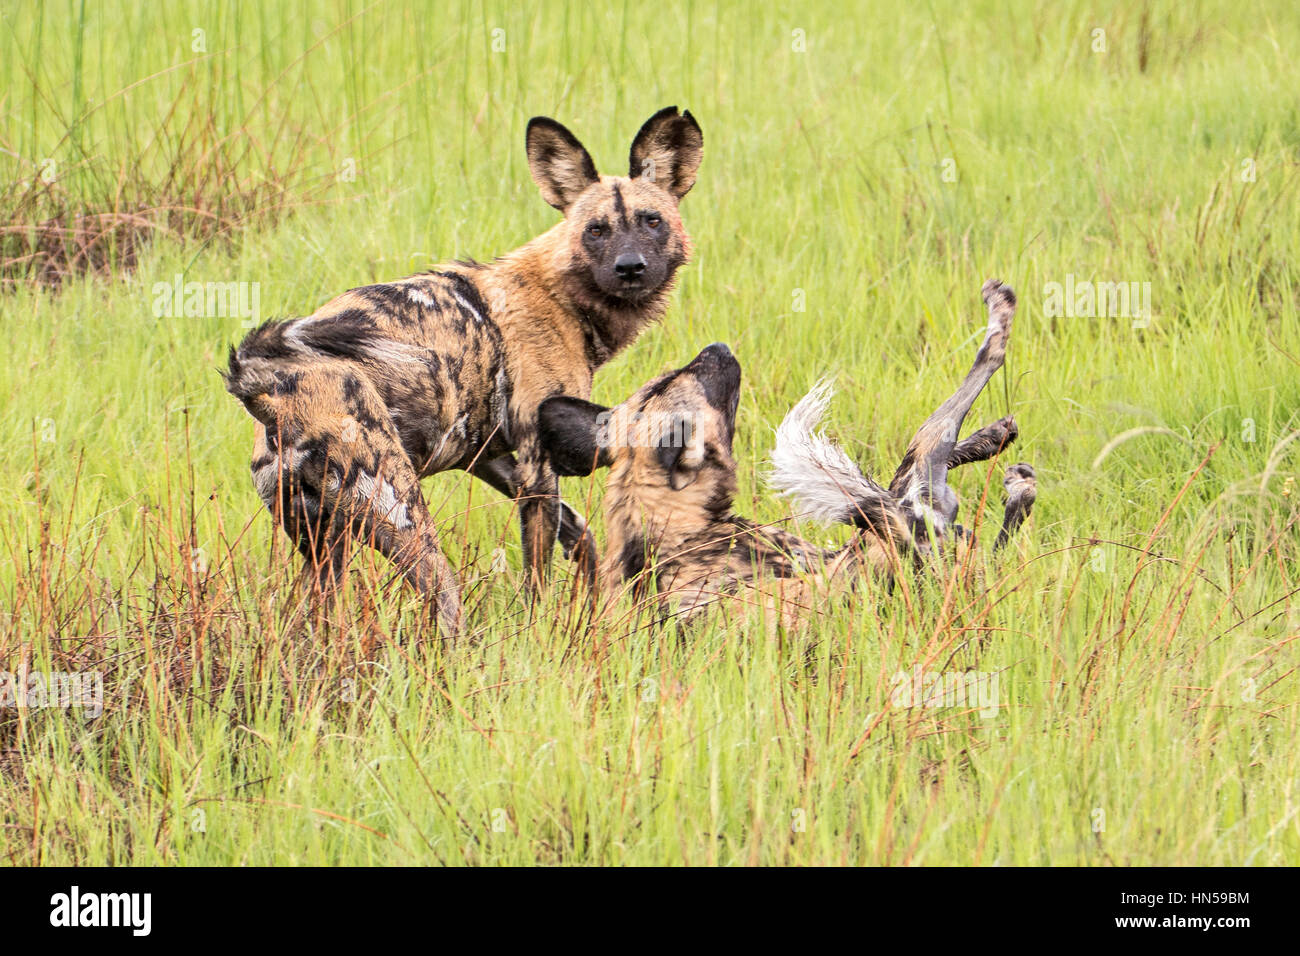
537 490
921 480
1021 485
575 537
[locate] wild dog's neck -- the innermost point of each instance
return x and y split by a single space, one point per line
648 522
700 542
729 547
608 324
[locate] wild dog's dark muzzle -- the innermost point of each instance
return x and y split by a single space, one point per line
718 373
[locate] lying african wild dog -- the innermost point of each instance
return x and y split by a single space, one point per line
668 502
389 383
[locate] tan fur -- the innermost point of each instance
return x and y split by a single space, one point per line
387 384
699 552
668 504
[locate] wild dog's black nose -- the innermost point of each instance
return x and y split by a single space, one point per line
719 373
629 265
718 351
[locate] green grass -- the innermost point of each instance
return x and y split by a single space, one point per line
1144 632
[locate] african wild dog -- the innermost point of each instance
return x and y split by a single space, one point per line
668 502
445 370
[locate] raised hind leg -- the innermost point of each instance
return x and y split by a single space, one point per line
921 480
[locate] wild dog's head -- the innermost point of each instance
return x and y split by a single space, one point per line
623 236
668 448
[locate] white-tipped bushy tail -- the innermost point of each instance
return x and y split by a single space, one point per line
825 483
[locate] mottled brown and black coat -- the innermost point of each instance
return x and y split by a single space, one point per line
668 501
389 383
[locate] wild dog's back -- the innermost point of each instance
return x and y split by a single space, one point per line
427 344
391 382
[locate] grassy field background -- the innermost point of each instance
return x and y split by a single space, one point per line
865 170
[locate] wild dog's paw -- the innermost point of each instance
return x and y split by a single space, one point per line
1004 431
583 556
582 553
984 444
1021 483
998 296
1001 300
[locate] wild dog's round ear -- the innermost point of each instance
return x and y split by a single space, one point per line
574 434
560 165
681 453
667 151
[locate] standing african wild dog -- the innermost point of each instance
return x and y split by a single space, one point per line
445 370
673 479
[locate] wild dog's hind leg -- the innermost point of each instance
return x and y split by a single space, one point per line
297 507
340 462
921 480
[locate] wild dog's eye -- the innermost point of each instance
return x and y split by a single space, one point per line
595 230
653 222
